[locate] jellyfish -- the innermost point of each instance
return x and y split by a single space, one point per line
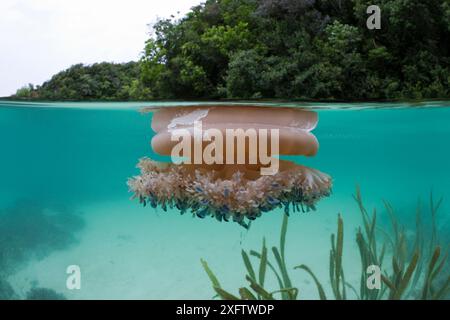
226 162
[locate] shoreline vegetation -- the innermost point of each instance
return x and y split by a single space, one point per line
409 101
307 50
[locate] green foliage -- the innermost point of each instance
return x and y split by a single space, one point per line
244 78
282 49
256 289
26 92
302 49
419 268
336 271
100 81
409 260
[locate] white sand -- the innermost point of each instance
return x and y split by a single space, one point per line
128 252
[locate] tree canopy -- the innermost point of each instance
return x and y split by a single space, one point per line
281 49
100 81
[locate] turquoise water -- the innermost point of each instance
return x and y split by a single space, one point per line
64 199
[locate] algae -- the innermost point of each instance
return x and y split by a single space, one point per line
417 262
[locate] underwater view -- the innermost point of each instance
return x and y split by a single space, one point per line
361 210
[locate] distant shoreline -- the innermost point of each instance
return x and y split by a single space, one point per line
411 101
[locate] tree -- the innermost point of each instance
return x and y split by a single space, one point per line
286 49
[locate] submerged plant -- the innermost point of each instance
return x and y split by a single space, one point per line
337 278
256 289
416 262
419 267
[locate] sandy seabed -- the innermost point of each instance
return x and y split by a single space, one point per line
127 252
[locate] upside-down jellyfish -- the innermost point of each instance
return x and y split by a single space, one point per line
243 176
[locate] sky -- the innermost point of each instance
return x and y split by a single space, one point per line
39 38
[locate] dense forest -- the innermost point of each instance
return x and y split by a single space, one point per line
282 49
100 81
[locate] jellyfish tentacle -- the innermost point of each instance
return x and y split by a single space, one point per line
239 199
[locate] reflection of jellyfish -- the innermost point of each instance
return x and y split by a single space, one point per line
237 191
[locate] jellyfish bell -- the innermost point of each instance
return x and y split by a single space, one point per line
234 122
169 117
243 185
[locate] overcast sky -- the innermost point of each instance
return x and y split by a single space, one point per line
38 38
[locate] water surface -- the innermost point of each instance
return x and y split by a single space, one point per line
71 161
